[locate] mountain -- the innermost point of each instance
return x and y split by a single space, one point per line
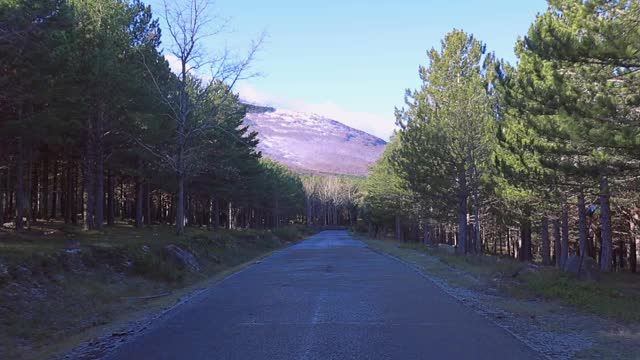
311 143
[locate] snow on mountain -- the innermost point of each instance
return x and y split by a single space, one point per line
312 143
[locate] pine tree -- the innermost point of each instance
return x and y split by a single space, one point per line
447 130
579 95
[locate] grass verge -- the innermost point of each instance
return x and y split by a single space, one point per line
58 285
559 316
614 296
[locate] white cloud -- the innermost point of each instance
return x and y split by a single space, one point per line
176 67
174 63
379 125
251 94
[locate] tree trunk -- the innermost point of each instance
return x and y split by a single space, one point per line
557 241
147 204
19 186
308 210
110 199
582 224
99 187
476 227
139 199
462 214
216 213
428 236
77 197
123 200
564 247
509 242
34 189
68 188
179 206
546 245
31 210
55 193
633 251
88 172
398 228
44 201
605 220
525 241
9 209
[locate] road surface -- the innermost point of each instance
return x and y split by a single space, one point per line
329 297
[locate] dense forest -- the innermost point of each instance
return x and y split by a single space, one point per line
537 160
95 128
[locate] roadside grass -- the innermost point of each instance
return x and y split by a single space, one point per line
613 296
123 270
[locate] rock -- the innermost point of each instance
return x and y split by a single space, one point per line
126 265
5 277
527 268
146 249
115 258
181 257
21 272
447 249
587 270
71 260
73 244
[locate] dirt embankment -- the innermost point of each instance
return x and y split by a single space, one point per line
59 287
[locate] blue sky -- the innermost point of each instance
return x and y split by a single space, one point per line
353 59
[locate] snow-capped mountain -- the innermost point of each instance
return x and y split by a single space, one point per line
311 143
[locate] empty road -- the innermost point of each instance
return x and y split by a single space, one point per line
329 297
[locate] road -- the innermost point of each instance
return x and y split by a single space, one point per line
329 297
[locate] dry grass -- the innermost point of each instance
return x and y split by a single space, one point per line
596 320
52 303
615 295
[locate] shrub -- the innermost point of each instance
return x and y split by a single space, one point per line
288 233
360 227
150 265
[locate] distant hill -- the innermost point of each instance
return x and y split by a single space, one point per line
311 143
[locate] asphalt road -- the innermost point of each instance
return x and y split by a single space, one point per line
329 297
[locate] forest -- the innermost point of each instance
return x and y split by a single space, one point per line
130 183
97 129
536 160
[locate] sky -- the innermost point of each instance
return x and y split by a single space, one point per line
352 60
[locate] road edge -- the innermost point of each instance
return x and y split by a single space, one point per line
480 312
108 340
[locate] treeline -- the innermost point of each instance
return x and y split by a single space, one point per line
331 200
539 160
95 128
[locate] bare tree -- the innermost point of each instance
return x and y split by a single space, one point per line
189 23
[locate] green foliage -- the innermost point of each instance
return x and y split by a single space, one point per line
84 82
384 193
151 265
603 298
289 233
451 119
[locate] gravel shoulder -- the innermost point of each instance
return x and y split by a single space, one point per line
558 331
